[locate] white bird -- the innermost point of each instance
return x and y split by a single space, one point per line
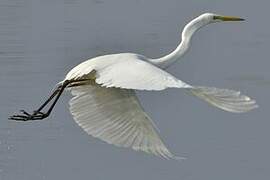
105 104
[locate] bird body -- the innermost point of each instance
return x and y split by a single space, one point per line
125 70
104 101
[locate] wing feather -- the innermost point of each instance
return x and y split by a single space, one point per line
115 116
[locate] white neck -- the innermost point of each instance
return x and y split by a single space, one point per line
182 48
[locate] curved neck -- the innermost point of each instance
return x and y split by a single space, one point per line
182 48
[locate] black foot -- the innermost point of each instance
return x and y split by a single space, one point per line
25 116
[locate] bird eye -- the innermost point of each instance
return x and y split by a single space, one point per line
215 17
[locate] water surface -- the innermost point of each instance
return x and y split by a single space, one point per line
40 41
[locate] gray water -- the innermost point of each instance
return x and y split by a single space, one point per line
41 40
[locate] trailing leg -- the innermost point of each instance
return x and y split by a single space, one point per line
38 114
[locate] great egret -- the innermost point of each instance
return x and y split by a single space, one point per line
105 104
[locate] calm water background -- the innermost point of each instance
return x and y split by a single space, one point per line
41 40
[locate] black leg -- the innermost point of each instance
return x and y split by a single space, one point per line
49 99
38 115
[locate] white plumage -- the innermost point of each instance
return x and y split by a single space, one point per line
115 116
105 104
108 108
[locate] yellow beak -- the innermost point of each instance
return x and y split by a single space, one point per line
228 18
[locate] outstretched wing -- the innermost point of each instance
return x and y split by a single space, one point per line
137 74
115 116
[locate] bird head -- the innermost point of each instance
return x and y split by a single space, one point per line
204 19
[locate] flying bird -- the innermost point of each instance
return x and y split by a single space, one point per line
104 101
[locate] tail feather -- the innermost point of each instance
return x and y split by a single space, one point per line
225 99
